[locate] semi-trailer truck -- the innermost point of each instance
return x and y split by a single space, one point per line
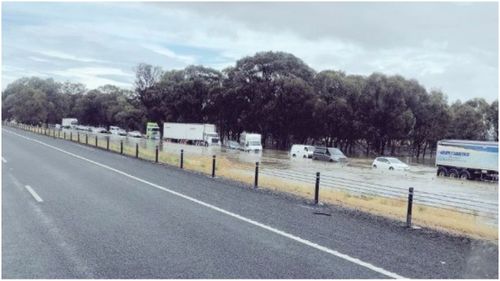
191 133
466 159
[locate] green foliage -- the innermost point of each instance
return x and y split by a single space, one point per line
273 93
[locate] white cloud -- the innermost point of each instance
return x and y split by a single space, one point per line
66 56
169 53
92 77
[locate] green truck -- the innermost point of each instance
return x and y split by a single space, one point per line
152 131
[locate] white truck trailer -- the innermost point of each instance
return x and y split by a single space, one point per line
466 159
191 133
69 123
250 142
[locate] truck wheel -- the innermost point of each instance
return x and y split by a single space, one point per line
391 168
293 155
454 173
442 172
465 175
374 166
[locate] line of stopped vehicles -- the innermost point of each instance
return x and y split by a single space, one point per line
462 159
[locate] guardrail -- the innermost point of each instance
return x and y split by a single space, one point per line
455 203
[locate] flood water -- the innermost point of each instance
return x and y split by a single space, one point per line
358 173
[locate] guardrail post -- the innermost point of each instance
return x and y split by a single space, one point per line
64 135
86 138
182 158
54 133
78 137
96 141
316 190
136 150
256 182
410 206
107 142
121 146
71 136
213 166
156 154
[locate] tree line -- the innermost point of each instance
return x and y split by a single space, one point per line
272 93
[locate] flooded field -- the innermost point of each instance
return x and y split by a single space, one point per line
357 176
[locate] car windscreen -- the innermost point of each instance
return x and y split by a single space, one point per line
395 161
336 151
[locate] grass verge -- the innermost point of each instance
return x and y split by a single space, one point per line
446 220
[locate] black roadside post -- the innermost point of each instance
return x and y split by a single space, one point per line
78 137
107 142
182 158
64 135
71 136
213 166
86 138
121 146
316 190
156 154
96 140
59 134
410 206
136 150
256 182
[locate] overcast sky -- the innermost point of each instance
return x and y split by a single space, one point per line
448 46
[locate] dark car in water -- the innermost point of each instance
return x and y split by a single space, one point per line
330 154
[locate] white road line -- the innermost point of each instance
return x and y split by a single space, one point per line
34 194
231 214
3 160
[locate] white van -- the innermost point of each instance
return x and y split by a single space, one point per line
301 151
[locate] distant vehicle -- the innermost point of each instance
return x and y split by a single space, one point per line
69 123
83 128
152 131
390 163
117 131
135 134
100 130
467 159
302 151
58 126
250 142
233 145
191 133
329 154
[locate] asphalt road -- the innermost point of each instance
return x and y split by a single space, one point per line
87 213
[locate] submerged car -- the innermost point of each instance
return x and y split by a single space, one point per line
117 131
330 154
135 134
100 130
233 145
302 151
390 163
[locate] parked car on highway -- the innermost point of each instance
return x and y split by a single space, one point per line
117 131
135 134
302 151
330 154
233 145
389 163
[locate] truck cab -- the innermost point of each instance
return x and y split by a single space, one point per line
211 138
152 131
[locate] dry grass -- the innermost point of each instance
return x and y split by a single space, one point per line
432 217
